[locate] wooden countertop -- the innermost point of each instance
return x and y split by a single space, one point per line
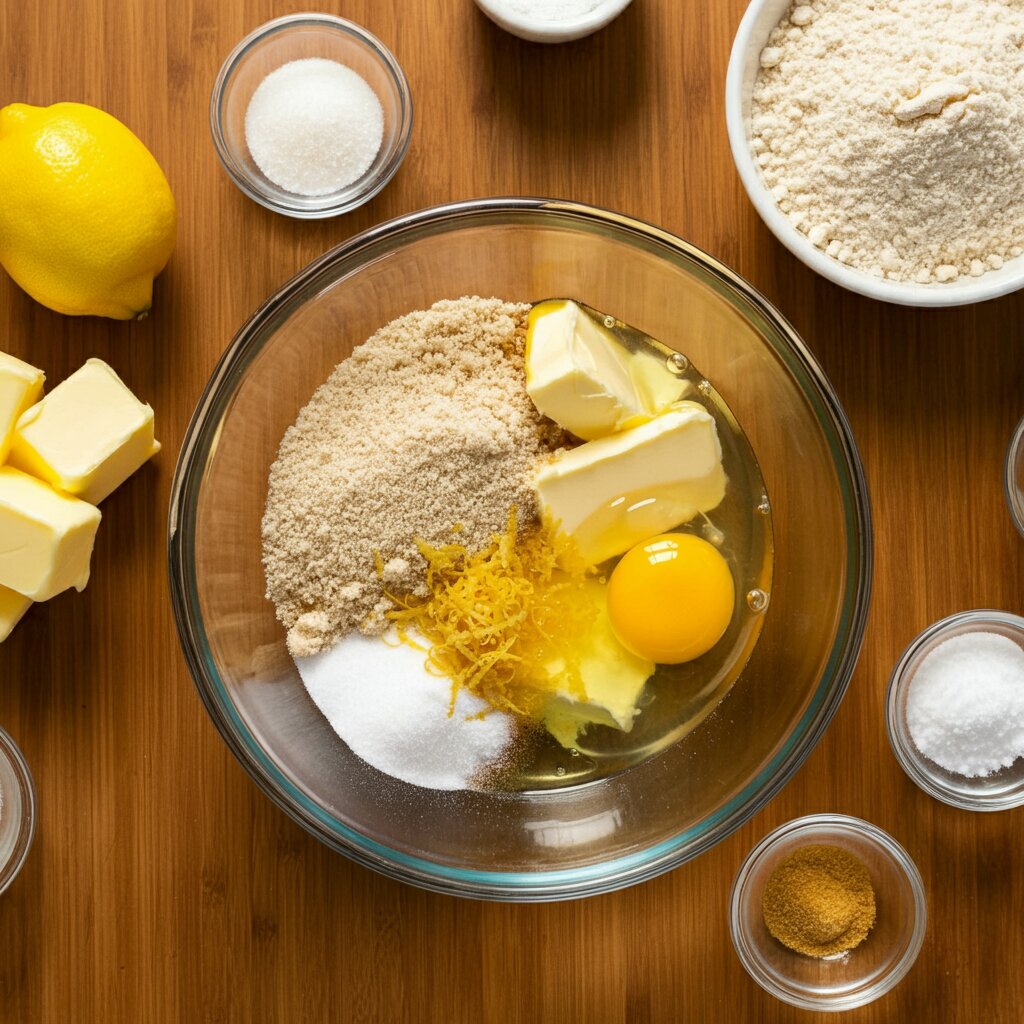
163 886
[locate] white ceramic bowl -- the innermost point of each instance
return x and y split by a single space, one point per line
552 31
761 17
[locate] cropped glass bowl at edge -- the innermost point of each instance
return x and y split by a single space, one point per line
17 810
574 841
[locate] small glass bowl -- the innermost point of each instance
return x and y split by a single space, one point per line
295 37
17 810
997 792
1013 477
860 975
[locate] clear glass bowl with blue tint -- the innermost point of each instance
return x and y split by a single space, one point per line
578 840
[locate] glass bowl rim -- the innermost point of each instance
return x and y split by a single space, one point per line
907 755
336 203
1014 501
879 838
568 883
10 751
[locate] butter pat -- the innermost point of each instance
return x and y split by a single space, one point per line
580 375
612 493
46 538
613 679
20 386
87 436
12 607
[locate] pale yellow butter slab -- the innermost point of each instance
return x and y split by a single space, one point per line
87 436
46 538
12 607
20 386
614 492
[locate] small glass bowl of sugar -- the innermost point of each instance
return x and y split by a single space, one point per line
955 710
311 115
17 810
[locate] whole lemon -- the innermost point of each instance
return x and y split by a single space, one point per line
87 219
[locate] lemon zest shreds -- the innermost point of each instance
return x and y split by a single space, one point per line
504 623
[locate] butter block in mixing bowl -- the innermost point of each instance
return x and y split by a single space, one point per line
87 436
611 493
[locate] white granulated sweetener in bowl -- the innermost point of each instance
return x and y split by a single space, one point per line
891 132
380 699
314 126
965 705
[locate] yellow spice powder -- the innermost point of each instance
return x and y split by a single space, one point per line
819 901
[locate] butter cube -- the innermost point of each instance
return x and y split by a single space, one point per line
87 436
614 492
46 538
12 607
580 375
20 386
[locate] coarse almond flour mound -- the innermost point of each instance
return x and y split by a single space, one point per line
425 427
891 132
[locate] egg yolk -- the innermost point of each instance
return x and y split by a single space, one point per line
671 598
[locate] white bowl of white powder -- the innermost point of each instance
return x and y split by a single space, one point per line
883 143
552 21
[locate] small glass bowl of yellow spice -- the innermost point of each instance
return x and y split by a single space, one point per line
828 912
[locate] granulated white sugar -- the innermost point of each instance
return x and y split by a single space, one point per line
314 126
392 713
891 132
965 706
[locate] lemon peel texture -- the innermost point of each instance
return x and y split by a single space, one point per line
87 218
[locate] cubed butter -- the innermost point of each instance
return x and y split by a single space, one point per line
20 386
46 538
579 374
612 493
87 436
613 679
12 607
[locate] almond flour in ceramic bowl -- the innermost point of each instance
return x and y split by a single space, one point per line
882 143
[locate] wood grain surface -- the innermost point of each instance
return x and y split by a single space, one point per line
163 886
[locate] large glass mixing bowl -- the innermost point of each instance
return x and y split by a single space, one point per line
579 840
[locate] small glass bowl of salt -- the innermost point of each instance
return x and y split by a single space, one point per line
17 810
955 710
311 115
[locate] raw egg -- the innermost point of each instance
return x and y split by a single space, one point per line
671 598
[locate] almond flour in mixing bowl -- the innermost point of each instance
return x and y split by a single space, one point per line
425 427
891 133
